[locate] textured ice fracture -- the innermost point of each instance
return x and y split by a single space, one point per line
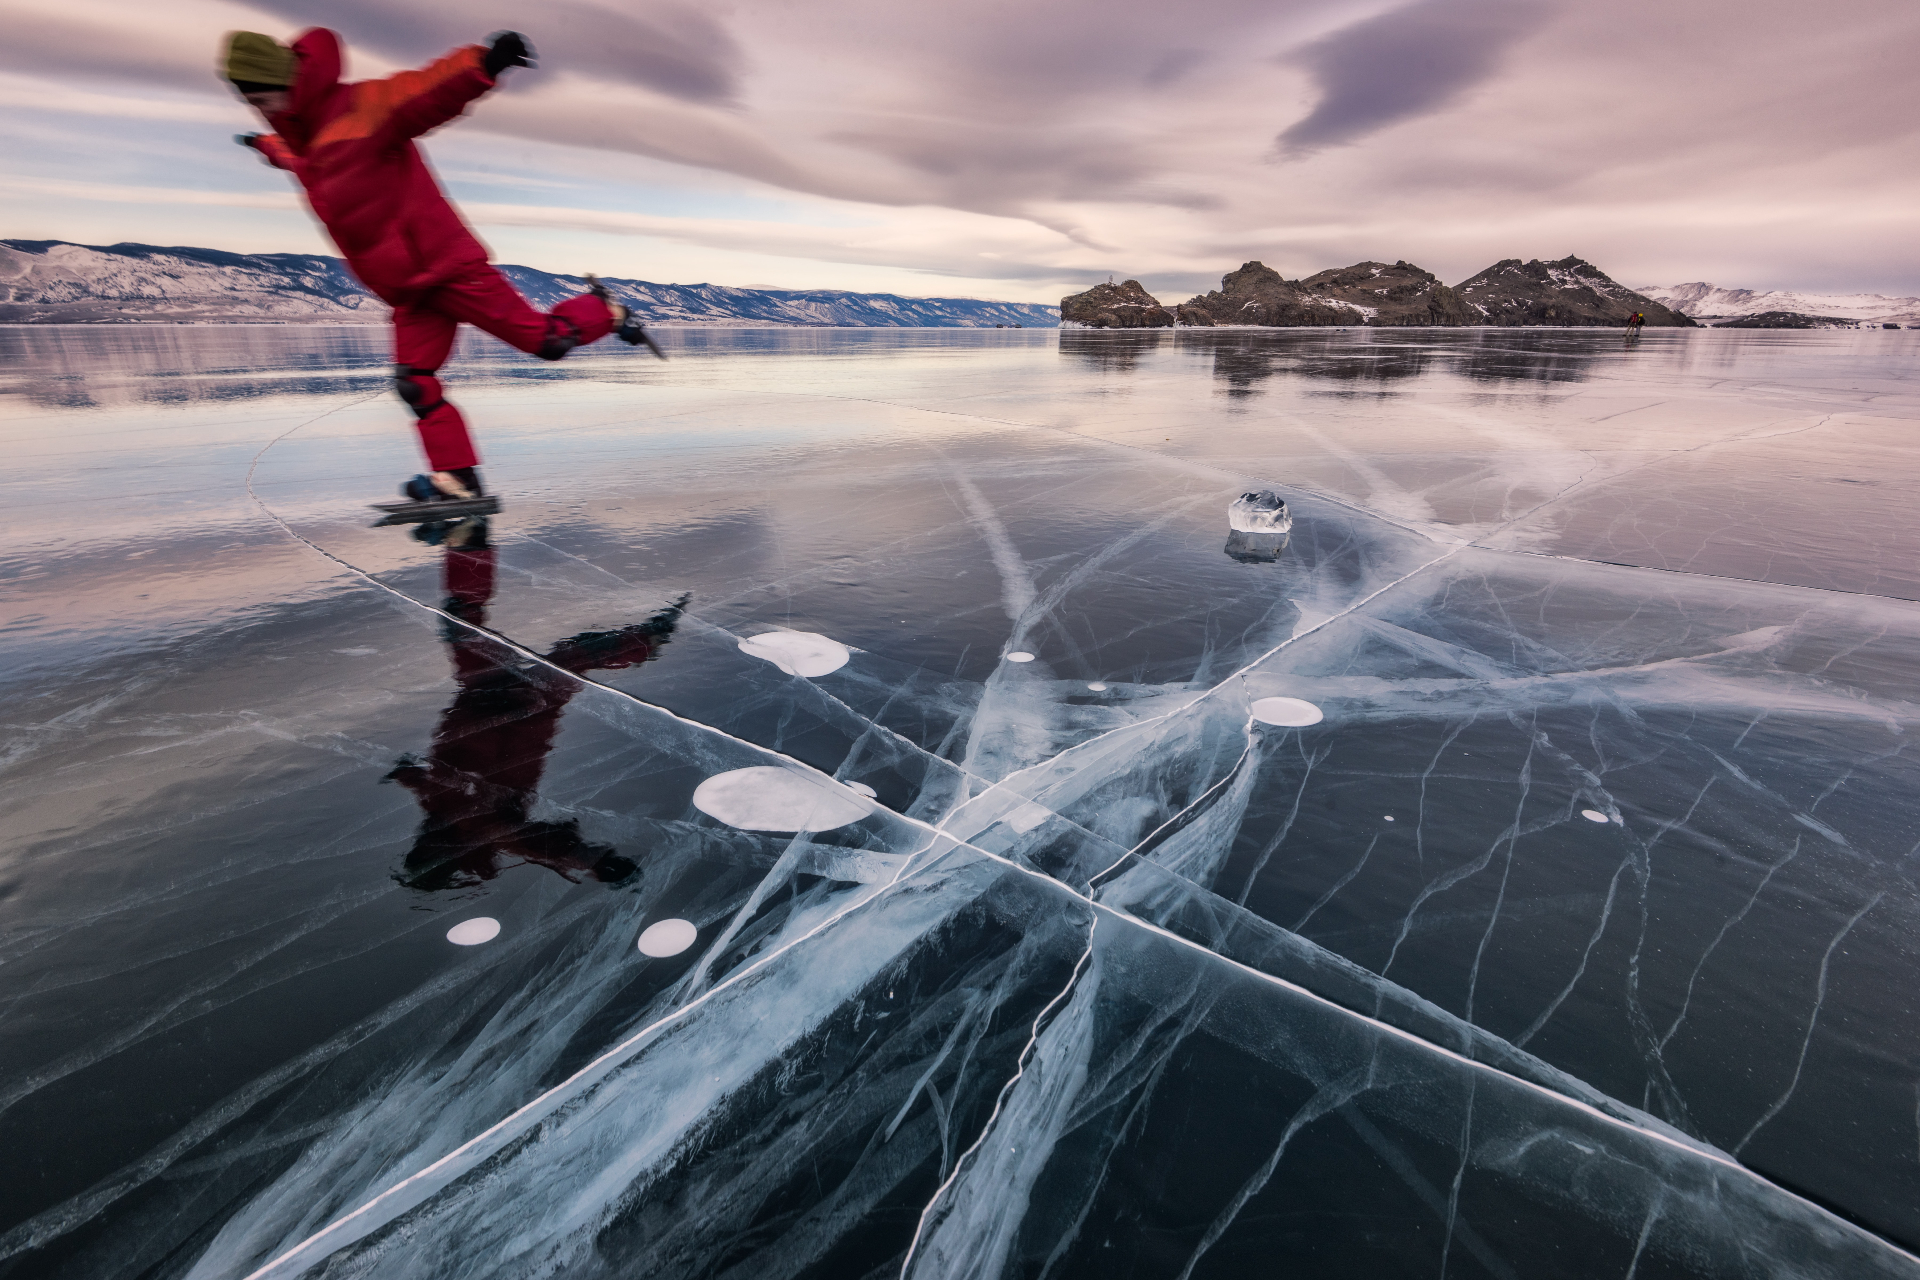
1370 899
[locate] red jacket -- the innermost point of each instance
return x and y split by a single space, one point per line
351 146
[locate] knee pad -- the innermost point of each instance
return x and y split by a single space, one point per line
562 337
419 388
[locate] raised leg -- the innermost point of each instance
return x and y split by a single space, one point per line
485 299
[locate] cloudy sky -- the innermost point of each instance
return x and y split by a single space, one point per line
1020 149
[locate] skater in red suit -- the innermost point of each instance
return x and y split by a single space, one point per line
351 146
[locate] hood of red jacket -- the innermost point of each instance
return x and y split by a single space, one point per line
315 78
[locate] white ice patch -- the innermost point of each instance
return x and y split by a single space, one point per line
471 933
1019 655
798 653
1292 712
769 798
1594 815
1097 687
862 788
1027 817
667 937
1758 638
358 651
1389 817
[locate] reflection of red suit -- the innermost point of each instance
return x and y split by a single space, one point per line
351 146
483 775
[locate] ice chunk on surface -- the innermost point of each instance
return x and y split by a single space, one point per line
1261 512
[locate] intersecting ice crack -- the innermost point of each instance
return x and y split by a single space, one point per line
1459 1172
1813 1020
1328 1098
1726 927
1654 1214
1333 890
1280 836
957 826
1512 836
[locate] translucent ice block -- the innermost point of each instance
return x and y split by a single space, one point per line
1262 512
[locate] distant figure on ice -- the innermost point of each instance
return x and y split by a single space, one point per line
1634 322
351 146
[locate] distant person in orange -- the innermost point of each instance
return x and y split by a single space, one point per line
351 146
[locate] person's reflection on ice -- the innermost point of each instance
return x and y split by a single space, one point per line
478 784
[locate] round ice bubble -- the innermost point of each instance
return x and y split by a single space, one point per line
667 937
1019 655
798 653
769 798
1097 687
471 933
1594 815
1292 712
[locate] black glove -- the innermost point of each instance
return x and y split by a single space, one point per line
507 49
251 141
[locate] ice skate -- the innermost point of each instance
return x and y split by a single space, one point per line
441 495
626 325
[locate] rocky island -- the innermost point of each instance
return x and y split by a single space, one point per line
1570 291
1115 306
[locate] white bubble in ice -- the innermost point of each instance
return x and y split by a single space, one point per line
1292 712
769 798
471 933
667 937
1594 815
1019 655
1097 687
1389 817
798 653
863 789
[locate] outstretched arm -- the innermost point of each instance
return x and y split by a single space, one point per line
272 148
417 101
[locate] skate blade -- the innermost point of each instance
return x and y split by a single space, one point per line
436 509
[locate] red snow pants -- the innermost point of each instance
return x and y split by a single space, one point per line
423 332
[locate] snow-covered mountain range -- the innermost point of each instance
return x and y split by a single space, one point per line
1705 301
54 282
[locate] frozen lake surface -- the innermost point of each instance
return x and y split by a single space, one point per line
859 810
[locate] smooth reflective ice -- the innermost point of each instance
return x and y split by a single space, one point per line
909 843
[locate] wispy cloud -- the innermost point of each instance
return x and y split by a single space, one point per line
1404 64
128 194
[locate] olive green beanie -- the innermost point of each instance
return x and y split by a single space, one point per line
256 59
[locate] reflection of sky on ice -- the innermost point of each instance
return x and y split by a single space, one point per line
1414 892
